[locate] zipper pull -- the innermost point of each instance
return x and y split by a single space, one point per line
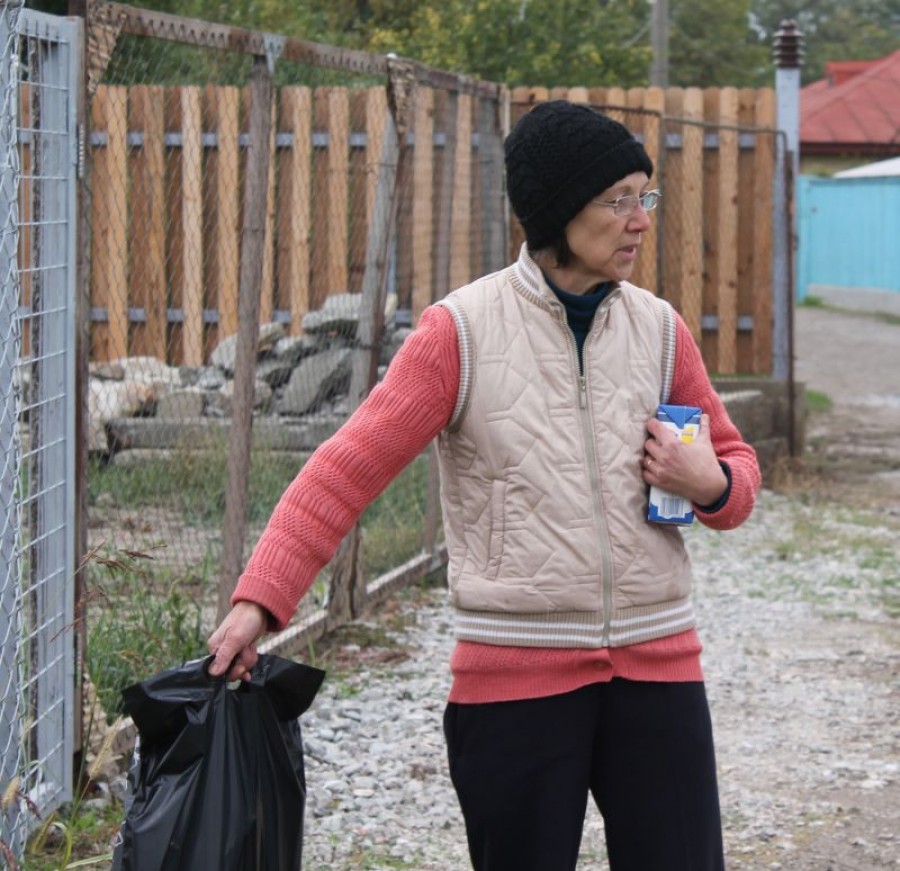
582 390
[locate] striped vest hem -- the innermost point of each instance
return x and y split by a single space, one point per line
582 629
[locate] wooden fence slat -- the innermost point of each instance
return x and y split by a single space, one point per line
109 219
267 281
578 94
295 188
764 174
185 260
221 109
727 226
711 238
704 265
617 97
654 102
671 182
358 183
690 205
148 231
423 290
475 212
460 269
445 119
331 112
748 215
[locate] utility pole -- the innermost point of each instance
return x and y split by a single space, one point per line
659 39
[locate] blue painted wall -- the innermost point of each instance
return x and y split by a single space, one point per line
849 233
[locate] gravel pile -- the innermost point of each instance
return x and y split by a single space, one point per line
798 613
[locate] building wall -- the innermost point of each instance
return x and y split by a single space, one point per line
848 233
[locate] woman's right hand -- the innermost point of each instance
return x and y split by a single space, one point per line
234 642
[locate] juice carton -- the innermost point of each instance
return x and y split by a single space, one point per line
684 421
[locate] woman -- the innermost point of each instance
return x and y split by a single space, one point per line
577 665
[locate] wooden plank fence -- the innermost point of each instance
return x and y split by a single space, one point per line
714 153
167 170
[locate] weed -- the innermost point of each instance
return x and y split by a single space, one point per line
142 622
817 402
812 301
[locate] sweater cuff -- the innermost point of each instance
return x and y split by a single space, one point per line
722 501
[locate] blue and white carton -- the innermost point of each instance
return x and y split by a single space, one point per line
665 507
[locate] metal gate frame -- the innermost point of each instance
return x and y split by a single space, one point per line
40 82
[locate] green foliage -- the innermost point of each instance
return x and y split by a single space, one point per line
818 402
711 44
834 30
140 622
392 525
193 482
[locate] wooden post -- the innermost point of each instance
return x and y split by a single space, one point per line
253 242
348 575
423 203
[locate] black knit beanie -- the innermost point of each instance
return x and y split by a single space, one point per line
559 156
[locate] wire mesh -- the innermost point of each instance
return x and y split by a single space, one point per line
171 217
37 419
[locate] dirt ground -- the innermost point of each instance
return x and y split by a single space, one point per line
853 358
853 453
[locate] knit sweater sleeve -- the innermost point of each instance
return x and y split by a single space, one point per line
691 386
398 419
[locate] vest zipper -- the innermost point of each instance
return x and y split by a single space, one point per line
587 431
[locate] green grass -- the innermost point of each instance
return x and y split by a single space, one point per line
393 525
193 482
817 402
812 301
142 621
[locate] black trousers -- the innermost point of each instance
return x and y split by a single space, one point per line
523 771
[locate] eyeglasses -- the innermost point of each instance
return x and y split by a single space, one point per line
623 207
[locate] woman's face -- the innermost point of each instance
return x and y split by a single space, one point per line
604 246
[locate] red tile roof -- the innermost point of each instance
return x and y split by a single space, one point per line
855 109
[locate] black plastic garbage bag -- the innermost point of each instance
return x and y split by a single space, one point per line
217 781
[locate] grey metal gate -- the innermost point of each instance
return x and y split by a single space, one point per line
39 87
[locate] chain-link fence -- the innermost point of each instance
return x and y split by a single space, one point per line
38 154
709 249
235 179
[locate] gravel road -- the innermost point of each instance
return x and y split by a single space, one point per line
799 611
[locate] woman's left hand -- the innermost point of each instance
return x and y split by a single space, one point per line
688 469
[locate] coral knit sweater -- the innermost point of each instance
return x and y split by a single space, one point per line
403 413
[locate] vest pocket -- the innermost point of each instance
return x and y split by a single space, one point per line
496 535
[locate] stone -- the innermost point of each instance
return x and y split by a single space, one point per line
108 400
315 380
187 402
223 399
226 351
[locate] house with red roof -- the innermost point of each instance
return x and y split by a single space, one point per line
851 116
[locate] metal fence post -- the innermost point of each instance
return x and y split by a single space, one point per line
10 744
788 58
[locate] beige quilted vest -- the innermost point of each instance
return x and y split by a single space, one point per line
543 503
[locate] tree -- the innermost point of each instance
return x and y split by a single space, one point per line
833 29
712 43
546 42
